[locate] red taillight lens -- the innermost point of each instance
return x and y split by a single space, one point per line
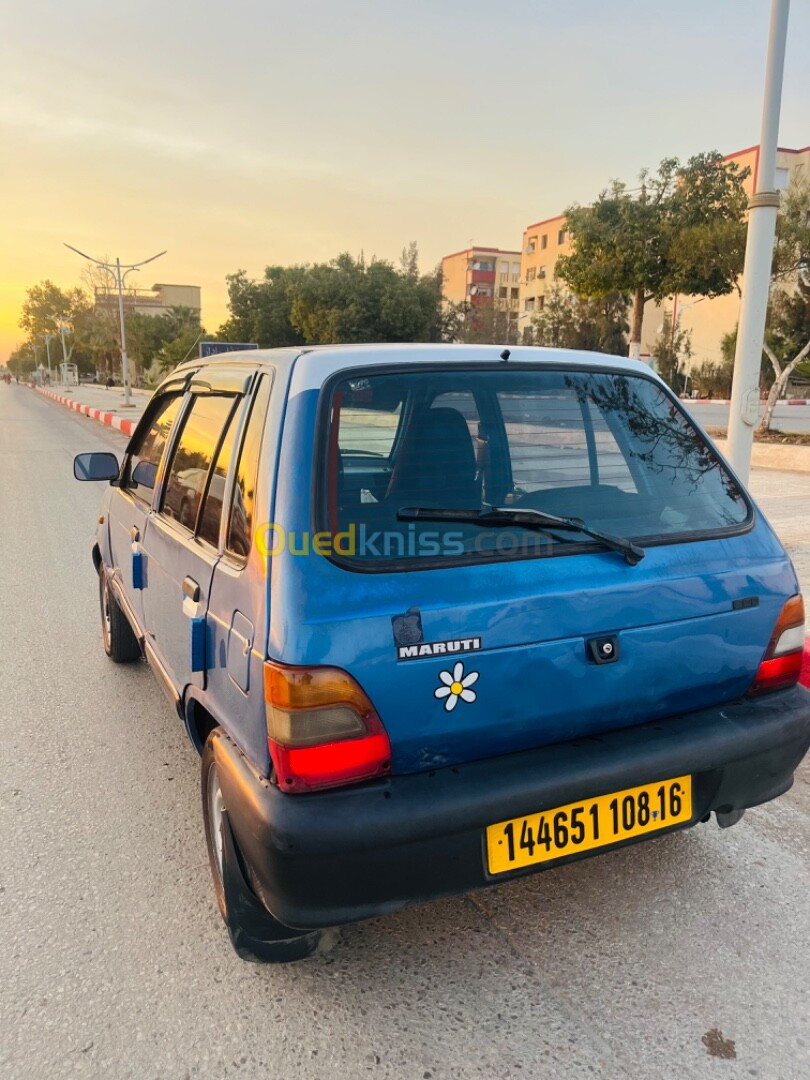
782 662
322 730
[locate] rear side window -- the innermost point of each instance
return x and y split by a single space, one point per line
214 500
144 459
612 449
203 426
243 504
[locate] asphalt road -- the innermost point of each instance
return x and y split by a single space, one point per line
785 417
635 964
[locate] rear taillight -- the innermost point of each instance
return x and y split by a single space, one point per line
782 663
322 730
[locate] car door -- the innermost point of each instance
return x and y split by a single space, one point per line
180 553
131 500
239 591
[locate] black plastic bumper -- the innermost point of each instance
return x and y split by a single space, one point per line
338 856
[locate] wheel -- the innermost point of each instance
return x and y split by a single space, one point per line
120 643
256 935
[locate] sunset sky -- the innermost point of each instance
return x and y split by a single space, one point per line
240 134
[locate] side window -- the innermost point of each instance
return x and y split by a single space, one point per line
241 523
144 459
215 496
188 471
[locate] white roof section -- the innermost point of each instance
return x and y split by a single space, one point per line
314 366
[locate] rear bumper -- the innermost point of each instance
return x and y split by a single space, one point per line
353 853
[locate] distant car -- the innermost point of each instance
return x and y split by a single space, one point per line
440 616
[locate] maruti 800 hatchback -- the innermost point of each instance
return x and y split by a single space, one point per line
440 616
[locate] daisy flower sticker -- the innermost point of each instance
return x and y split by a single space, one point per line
455 686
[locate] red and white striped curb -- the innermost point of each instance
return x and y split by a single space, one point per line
126 427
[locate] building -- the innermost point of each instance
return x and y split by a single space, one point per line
482 276
155 301
543 243
490 275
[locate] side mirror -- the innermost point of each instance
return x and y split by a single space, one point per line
145 474
96 466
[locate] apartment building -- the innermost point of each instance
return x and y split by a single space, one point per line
482 276
543 243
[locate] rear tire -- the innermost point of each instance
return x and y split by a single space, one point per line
120 643
255 934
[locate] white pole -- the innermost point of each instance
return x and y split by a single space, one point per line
763 207
124 362
48 351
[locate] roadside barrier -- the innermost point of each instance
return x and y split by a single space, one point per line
126 427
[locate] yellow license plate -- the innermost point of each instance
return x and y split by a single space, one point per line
588 824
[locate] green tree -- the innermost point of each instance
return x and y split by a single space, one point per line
260 310
345 300
481 324
682 231
576 322
46 306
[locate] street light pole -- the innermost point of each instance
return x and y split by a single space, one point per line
47 340
64 347
763 208
116 269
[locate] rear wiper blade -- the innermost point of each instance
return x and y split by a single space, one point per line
528 519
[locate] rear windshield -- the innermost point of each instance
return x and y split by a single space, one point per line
612 449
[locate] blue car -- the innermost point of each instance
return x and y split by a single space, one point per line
440 616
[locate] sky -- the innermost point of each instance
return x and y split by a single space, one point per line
242 134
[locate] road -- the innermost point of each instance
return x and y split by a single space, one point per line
785 417
115 963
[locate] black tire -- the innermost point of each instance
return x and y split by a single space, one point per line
120 643
255 934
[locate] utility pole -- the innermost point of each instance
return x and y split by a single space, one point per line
47 339
763 208
61 325
116 269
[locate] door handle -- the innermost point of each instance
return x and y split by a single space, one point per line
191 589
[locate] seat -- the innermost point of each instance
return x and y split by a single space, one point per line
436 465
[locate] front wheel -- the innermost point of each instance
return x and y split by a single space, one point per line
255 934
120 643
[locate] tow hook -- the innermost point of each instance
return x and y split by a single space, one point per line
725 819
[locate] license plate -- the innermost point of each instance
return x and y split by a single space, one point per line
588 824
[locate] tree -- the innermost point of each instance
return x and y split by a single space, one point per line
787 340
260 310
46 306
481 324
673 351
682 231
345 300
575 322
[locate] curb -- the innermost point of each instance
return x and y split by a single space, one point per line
126 427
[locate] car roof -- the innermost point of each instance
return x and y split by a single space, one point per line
325 360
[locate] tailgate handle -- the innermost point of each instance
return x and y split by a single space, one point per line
191 589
